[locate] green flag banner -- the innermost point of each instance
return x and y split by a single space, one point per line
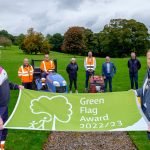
116 111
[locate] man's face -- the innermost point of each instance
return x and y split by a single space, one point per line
148 59
26 62
107 59
133 55
46 57
90 54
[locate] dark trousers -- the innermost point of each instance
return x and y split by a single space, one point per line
4 116
108 80
88 75
73 80
134 80
27 85
44 74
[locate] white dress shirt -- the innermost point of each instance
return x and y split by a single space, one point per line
108 67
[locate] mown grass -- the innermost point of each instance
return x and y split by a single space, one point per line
11 59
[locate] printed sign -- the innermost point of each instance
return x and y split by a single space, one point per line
116 111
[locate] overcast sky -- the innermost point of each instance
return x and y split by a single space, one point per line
55 16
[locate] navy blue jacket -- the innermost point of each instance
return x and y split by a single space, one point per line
72 70
5 87
112 69
134 65
145 99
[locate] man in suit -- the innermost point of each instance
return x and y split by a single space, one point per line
144 94
134 66
108 71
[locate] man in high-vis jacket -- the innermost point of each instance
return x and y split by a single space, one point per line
47 66
25 73
90 66
5 87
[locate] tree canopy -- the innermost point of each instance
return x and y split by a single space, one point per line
122 36
117 39
74 41
35 42
4 41
56 41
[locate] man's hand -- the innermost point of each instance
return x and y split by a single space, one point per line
133 91
1 123
20 87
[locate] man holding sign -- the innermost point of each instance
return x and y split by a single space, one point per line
144 94
5 87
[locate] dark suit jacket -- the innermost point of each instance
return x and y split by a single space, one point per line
145 99
112 69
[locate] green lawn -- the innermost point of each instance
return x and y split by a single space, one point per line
11 59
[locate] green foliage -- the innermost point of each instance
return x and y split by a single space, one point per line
74 41
4 41
19 40
45 47
56 41
35 42
122 36
91 41
117 39
4 33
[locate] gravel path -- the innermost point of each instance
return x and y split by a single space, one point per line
89 141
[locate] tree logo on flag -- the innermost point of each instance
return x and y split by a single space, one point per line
44 104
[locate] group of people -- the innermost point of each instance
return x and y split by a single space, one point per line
26 72
108 71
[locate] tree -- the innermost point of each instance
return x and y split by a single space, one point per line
91 41
74 41
121 36
45 46
49 38
56 41
78 40
41 106
19 40
35 42
4 41
4 33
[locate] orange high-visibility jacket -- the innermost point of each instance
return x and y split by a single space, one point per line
90 63
47 66
26 73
